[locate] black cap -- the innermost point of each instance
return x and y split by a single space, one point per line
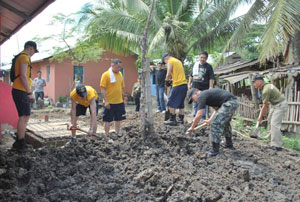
163 58
33 44
190 93
258 77
81 90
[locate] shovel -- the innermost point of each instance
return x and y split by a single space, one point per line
69 128
197 128
255 133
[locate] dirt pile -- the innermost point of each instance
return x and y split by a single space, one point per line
169 166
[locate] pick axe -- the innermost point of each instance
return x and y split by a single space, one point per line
197 128
75 128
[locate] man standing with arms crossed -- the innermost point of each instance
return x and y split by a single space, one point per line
271 94
202 78
112 85
21 91
179 88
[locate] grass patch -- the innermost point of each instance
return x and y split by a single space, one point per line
291 143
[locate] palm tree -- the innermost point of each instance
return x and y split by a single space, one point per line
282 25
179 27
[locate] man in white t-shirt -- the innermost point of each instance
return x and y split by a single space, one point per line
39 89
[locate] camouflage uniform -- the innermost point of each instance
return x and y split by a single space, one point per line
221 123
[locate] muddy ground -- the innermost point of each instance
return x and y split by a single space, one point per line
168 166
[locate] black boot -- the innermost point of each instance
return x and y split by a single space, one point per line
228 144
215 149
172 121
19 144
181 119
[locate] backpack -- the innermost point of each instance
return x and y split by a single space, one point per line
13 75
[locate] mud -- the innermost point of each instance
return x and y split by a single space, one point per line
168 166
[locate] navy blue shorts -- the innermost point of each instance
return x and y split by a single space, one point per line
177 96
81 110
22 102
115 113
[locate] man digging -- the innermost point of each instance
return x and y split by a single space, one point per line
224 104
84 97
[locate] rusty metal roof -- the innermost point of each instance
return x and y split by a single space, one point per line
14 14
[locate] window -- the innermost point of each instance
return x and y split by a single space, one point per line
78 73
48 73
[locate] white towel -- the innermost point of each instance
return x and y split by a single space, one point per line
112 76
196 69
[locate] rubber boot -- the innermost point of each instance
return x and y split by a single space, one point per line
19 144
215 149
181 119
172 121
228 144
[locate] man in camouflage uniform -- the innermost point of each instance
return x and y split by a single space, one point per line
224 104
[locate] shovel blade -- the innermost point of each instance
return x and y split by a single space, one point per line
254 133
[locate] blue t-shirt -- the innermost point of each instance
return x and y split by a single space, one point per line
38 81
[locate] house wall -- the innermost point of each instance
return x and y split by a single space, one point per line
61 74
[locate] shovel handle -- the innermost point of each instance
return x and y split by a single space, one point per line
257 124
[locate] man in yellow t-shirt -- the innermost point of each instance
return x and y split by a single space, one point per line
21 91
112 85
83 97
179 88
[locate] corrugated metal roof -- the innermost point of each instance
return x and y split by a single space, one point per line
14 14
235 66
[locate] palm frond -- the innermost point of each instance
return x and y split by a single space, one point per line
282 24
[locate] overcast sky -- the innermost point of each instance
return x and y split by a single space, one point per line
39 27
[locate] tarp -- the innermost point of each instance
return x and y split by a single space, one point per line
8 111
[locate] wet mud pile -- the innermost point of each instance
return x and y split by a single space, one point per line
168 166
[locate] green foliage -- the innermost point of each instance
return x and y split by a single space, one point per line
73 44
178 27
248 48
239 124
49 107
63 99
292 143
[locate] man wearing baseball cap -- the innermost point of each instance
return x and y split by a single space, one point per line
271 95
179 88
224 105
21 91
83 97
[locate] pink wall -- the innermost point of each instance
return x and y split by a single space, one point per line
61 74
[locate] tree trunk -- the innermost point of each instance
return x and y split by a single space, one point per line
147 117
297 46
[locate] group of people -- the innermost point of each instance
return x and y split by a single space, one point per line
199 91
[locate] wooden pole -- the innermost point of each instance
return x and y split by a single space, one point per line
253 92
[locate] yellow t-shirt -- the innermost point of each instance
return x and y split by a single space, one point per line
177 73
22 59
86 101
113 90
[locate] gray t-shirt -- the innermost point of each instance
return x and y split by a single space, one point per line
38 81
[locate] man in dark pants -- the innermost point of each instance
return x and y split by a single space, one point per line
202 78
224 104
136 94
179 88
21 91
84 97
39 89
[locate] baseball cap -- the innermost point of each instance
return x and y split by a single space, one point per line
190 93
33 44
81 90
258 77
163 58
